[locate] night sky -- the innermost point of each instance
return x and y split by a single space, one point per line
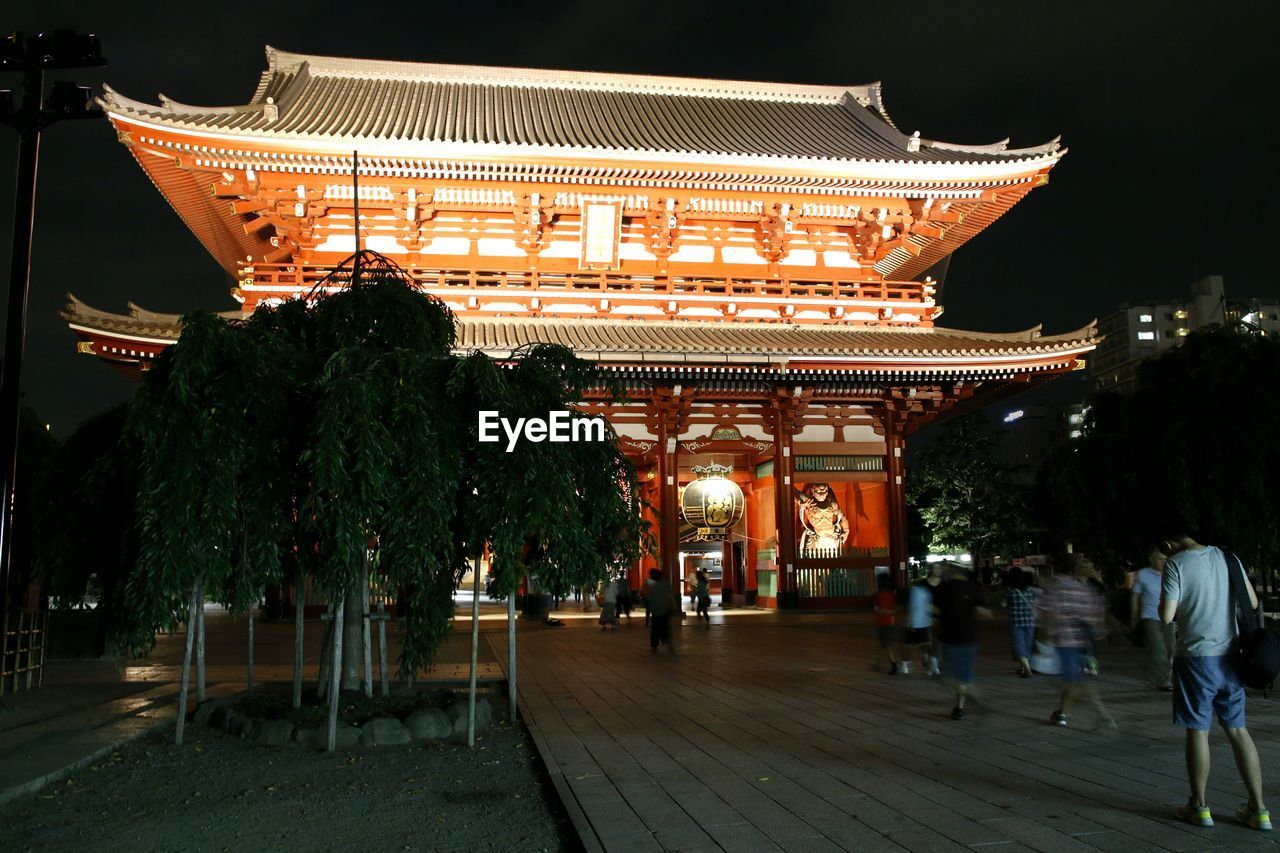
1164 107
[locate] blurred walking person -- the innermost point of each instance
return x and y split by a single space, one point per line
920 622
608 604
1077 621
886 608
662 600
702 597
1021 598
957 601
624 597
1144 616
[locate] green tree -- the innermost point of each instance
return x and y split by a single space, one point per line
36 449
577 502
324 428
963 494
89 544
210 496
381 460
1192 449
567 514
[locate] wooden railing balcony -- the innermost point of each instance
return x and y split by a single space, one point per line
612 294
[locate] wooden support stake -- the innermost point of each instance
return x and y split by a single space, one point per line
4 652
475 654
298 604
31 647
335 677
186 664
368 640
250 673
18 649
200 641
326 656
382 649
511 656
44 635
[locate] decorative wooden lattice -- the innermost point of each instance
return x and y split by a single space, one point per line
22 648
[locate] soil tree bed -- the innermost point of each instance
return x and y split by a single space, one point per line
221 792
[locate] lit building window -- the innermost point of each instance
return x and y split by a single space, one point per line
1182 333
1075 433
1180 314
1144 318
1076 418
1146 336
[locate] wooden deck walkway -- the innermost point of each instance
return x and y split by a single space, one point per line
773 733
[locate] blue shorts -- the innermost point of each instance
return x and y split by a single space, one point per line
959 662
1203 687
1020 637
1071 658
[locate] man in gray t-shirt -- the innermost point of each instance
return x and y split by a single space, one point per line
1197 579
1195 591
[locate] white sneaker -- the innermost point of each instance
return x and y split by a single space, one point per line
904 668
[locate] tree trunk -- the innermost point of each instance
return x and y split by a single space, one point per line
475 654
250 662
200 642
334 686
352 647
326 655
186 665
382 650
297 644
511 656
368 642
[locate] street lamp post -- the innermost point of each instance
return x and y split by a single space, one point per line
31 57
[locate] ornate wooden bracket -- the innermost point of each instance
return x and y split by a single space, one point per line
533 215
775 232
663 221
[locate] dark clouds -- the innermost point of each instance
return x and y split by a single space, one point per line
1165 107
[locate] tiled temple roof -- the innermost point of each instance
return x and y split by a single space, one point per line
314 98
677 342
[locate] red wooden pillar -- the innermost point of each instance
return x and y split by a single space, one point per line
895 443
727 579
669 504
784 505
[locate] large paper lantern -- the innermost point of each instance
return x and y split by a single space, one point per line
712 503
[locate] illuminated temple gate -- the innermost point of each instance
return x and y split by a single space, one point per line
750 258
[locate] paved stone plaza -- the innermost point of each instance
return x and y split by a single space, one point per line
763 732
770 732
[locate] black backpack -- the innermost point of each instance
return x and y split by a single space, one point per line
1258 658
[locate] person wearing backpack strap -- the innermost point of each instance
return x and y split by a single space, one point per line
1195 593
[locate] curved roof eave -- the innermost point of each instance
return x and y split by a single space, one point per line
890 170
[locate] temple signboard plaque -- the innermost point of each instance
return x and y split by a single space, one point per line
601 233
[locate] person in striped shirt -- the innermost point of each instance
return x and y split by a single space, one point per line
1077 620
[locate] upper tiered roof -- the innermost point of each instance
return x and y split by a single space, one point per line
421 109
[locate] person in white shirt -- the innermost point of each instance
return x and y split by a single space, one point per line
1144 616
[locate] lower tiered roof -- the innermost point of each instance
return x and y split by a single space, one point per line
130 341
